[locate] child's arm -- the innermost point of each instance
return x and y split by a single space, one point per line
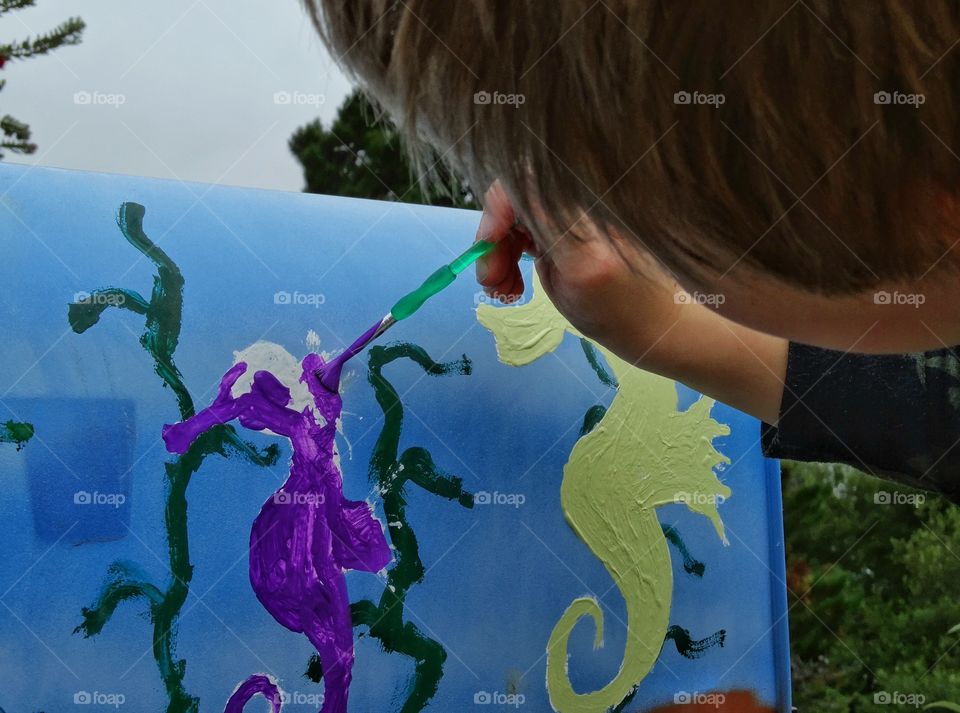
892 415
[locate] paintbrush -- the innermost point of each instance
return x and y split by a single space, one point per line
329 373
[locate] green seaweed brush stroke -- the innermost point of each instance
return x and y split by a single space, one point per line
124 580
16 432
391 474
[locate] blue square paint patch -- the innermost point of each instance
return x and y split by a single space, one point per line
79 468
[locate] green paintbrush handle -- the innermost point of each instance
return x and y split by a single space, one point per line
471 255
410 303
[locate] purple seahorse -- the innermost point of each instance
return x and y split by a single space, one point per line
307 533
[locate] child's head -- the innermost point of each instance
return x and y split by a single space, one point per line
814 145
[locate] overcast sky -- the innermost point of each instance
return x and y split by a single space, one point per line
200 90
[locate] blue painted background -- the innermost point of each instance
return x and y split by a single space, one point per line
498 577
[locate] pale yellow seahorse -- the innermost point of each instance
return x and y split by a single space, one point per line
644 453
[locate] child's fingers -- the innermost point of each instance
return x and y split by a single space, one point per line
498 266
495 226
506 289
499 216
507 283
514 290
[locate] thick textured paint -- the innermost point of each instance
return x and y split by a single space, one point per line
307 533
270 356
643 454
124 581
685 644
391 474
258 684
16 432
718 702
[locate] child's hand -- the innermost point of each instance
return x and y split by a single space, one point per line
611 293
499 272
587 279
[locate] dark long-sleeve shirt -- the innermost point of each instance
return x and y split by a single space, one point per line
895 416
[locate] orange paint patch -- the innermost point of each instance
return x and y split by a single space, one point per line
732 702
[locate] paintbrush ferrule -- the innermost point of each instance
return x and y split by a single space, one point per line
388 321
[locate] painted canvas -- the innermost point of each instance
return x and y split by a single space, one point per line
493 513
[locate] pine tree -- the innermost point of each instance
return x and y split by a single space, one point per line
16 134
361 157
872 576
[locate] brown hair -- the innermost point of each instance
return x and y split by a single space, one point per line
811 141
